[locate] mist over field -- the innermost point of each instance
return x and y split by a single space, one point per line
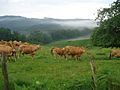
76 23
50 28
24 24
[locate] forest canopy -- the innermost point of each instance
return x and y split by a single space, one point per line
40 37
108 33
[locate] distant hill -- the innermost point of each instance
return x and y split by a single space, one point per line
26 25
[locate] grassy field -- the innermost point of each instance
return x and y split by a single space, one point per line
46 72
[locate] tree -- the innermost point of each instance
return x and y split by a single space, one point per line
17 36
7 34
108 33
39 37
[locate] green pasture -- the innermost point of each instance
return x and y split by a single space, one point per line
46 72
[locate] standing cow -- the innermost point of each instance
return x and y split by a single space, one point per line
28 49
57 51
73 51
9 51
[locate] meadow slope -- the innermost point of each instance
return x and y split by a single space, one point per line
46 72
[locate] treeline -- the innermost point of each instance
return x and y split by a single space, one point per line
42 37
7 34
55 35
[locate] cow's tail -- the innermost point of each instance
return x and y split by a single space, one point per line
110 55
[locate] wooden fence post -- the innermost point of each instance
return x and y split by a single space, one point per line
4 72
93 70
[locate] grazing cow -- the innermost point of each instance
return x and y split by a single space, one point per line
17 44
67 50
2 42
29 49
114 53
9 51
12 45
80 51
5 49
73 51
57 51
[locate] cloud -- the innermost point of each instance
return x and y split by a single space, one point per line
15 1
53 8
58 2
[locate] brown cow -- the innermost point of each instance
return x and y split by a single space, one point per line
9 51
29 49
13 46
73 51
114 53
17 44
57 51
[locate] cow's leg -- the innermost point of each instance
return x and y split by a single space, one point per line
73 56
15 56
78 58
8 59
33 55
110 56
19 54
23 54
55 55
66 57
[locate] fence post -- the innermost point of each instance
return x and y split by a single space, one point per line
4 72
93 69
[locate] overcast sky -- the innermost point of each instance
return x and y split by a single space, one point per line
53 8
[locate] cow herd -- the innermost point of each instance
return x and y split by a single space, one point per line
14 49
68 51
76 52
